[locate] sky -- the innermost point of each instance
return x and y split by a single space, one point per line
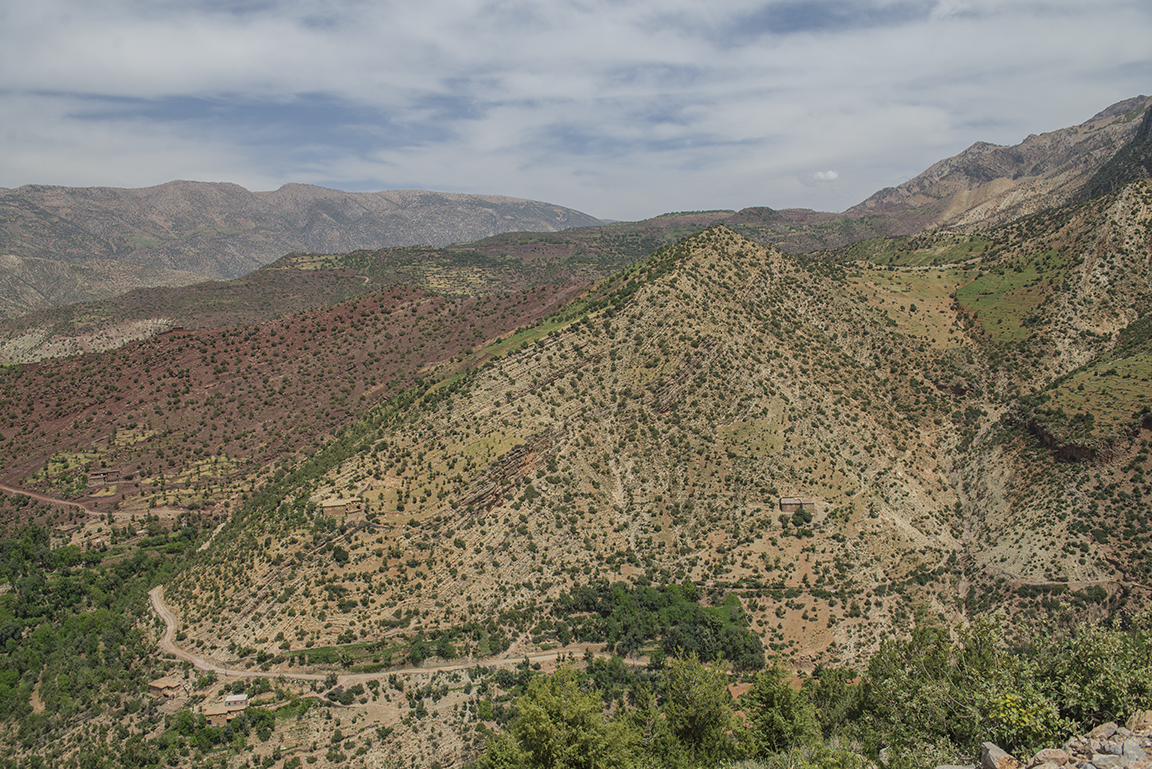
623 109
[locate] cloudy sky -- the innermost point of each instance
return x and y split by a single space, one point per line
621 108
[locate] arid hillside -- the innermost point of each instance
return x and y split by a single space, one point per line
408 500
504 263
193 417
988 184
652 432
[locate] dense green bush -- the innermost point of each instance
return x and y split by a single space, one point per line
779 718
560 724
627 616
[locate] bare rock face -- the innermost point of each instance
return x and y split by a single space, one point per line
988 184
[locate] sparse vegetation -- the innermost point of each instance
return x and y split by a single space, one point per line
425 502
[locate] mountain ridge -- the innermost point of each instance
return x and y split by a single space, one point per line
220 230
987 184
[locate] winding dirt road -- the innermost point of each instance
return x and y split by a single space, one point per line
168 645
42 498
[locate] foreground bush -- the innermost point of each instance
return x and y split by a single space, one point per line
926 700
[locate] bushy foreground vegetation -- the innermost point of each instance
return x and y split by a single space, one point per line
926 700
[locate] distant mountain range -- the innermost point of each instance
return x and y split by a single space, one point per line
63 246
68 244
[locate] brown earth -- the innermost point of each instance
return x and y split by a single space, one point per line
191 418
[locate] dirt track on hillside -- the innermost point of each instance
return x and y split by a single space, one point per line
168 645
42 498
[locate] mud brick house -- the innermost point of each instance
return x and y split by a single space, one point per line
216 714
220 713
103 477
344 509
166 687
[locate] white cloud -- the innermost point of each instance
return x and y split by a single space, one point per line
622 108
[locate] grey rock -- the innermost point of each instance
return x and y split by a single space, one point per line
1107 761
1133 751
992 756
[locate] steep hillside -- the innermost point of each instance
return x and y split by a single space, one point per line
1059 286
652 436
30 283
1132 163
500 264
193 418
1039 296
719 376
989 184
108 324
1056 306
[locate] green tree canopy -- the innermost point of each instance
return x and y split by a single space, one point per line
778 716
560 726
698 706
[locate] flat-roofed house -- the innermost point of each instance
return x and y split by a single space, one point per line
797 505
167 687
236 702
103 477
217 715
344 509
790 504
220 713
